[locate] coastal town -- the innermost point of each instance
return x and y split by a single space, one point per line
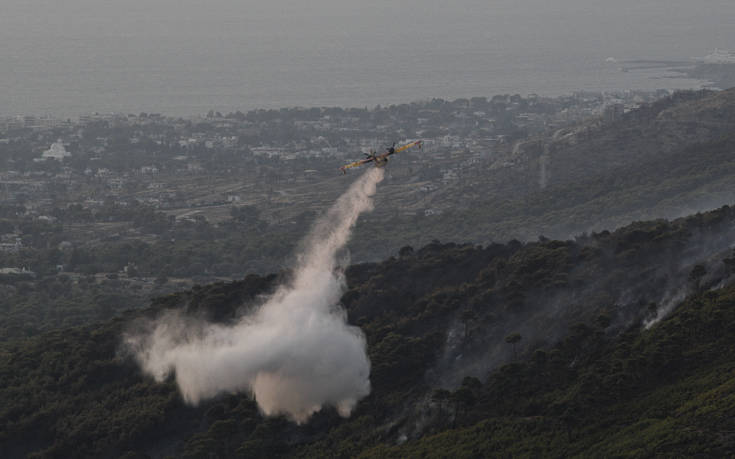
179 165
281 162
114 209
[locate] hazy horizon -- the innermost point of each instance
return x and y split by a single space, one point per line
186 57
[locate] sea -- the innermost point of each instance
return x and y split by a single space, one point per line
186 57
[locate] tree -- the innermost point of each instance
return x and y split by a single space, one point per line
514 339
696 275
468 317
406 251
244 214
730 263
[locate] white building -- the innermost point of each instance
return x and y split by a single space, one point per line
57 152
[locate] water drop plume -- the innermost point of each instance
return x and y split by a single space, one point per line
295 352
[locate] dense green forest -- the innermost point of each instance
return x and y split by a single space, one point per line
537 348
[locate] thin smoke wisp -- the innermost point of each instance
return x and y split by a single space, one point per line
295 353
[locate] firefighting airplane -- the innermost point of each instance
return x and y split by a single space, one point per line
380 160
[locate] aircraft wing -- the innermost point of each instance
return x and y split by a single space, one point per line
355 164
417 143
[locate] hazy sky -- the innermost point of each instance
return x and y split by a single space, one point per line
622 20
56 53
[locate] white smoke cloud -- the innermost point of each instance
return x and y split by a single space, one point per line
670 301
295 353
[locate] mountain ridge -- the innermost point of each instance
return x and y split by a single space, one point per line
76 392
666 159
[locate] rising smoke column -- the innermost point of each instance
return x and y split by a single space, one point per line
296 352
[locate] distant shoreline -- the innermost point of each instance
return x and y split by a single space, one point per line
609 76
717 75
722 76
99 115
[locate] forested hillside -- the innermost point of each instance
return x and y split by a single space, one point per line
666 159
551 347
